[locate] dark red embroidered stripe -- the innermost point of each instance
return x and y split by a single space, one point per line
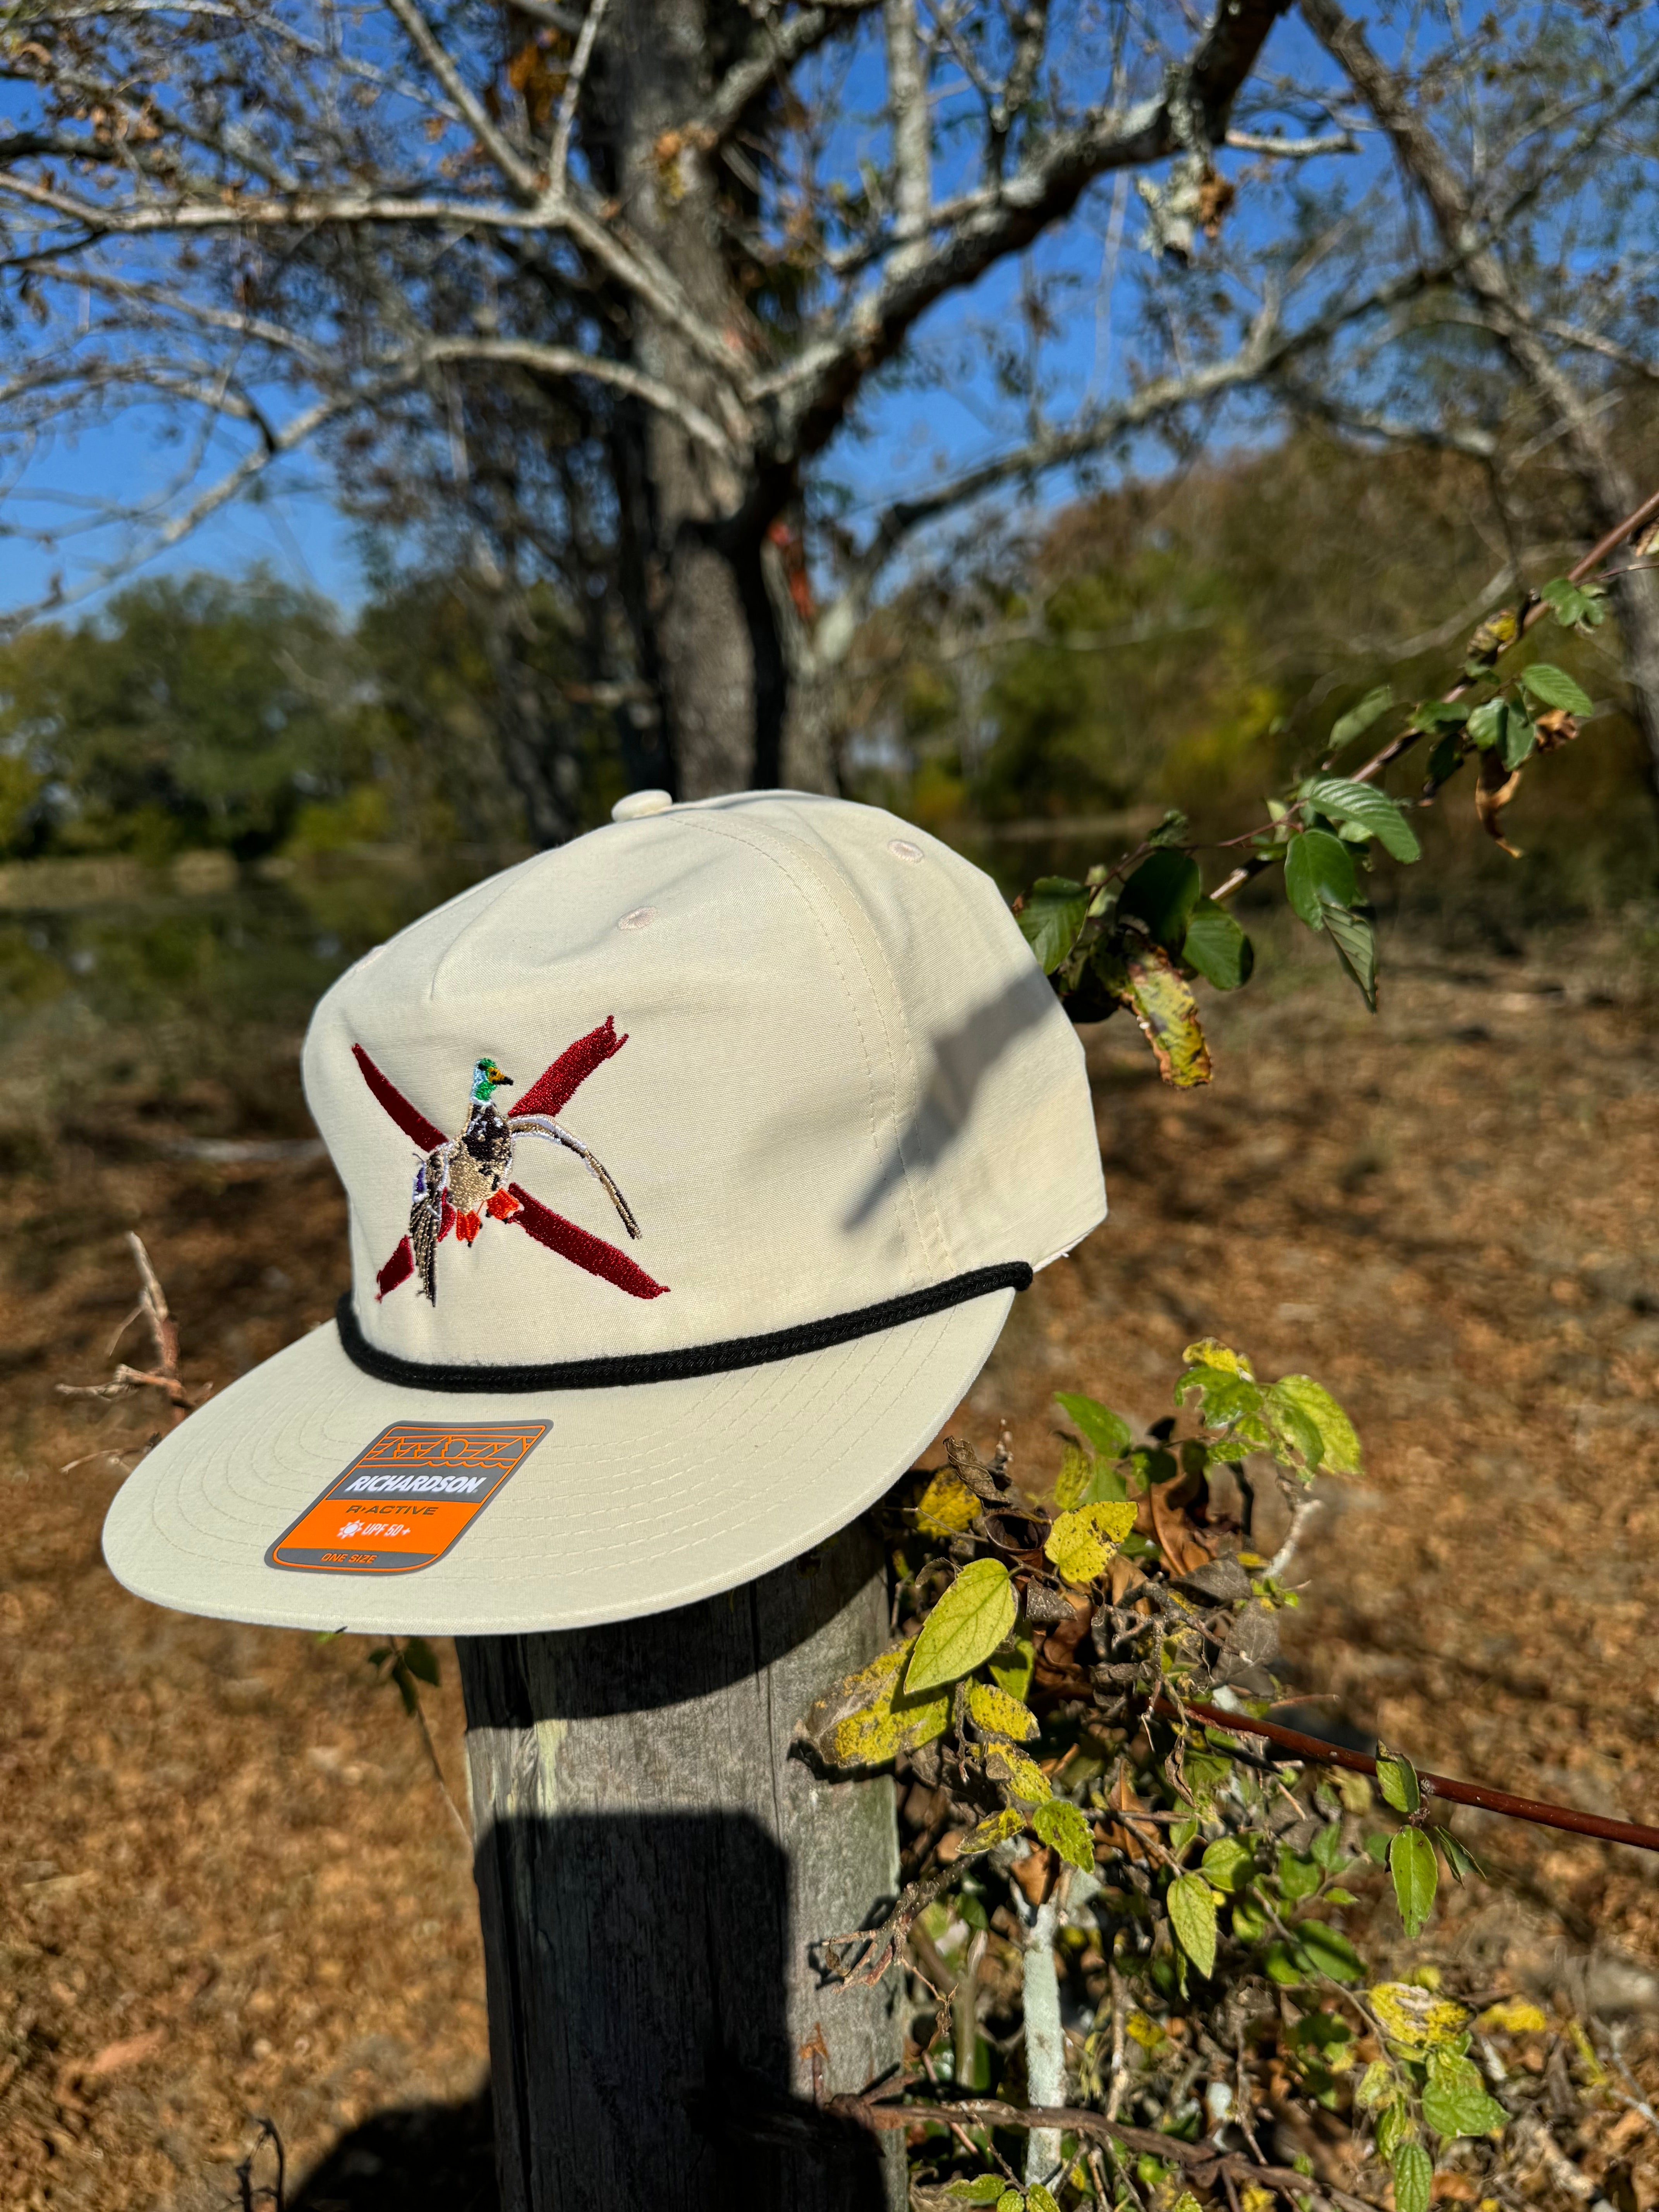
573 1243
397 1269
556 1085
410 1119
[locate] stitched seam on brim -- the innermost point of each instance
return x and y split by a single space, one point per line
636 1367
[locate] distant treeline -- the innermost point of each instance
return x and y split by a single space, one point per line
244 715
1184 642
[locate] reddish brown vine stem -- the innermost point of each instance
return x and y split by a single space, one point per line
1434 1786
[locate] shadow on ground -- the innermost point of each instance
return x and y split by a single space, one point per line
414 2157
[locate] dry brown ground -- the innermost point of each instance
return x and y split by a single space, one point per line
227 1885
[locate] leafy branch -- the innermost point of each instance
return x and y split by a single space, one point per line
1080 1695
1139 932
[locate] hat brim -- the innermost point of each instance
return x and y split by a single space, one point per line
636 1500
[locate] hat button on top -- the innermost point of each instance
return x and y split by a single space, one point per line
638 804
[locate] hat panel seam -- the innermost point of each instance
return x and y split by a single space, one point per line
713 826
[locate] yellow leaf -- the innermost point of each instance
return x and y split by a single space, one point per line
1414 2017
995 1828
1257 2200
1082 1543
1515 2016
1161 999
998 1714
1077 1471
1017 1773
947 1506
1207 1353
1147 2032
865 1720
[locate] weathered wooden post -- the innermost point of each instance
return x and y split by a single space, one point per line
625 1469
655 1872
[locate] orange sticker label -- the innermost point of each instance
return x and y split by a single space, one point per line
407 1498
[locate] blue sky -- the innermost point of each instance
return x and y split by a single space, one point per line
903 439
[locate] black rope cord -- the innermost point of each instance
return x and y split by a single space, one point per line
631 1367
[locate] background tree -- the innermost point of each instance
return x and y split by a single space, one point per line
599 303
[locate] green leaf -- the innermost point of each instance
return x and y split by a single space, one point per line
1060 1824
1329 1951
406 1689
983 2189
1486 724
1550 686
1327 1847
1218 947
964 1628
1223 1398
1394 2126
1396 1778
1297 1877
1055 909
1416 1874
422 1660
1412 2174
1108 1485
1339 1446
1013 1665
1575 606
1318 875
1519 738
1294 1435
1369 809
1445 760
1459 1857
1161 895
1454 2099
1378 2085
1250 1921
1170 830
1192 1916
1356 948
1037 2199
1283 1965
1011 2201
1440 714
1228 1863
1105 1431
1358 718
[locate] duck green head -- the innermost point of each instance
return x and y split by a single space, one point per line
487 1078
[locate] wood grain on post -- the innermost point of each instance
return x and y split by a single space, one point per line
655 1871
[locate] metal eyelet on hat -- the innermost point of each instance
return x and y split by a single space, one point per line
902 849
640 917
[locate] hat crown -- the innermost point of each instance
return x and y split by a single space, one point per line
772 1058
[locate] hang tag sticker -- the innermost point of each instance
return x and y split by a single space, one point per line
407 1498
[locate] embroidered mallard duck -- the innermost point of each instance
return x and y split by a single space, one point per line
460 1182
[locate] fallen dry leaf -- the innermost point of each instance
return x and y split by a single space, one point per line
114 2056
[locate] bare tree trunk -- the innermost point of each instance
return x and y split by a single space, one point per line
705 629
655 1872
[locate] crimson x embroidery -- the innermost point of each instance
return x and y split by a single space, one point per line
460 1182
